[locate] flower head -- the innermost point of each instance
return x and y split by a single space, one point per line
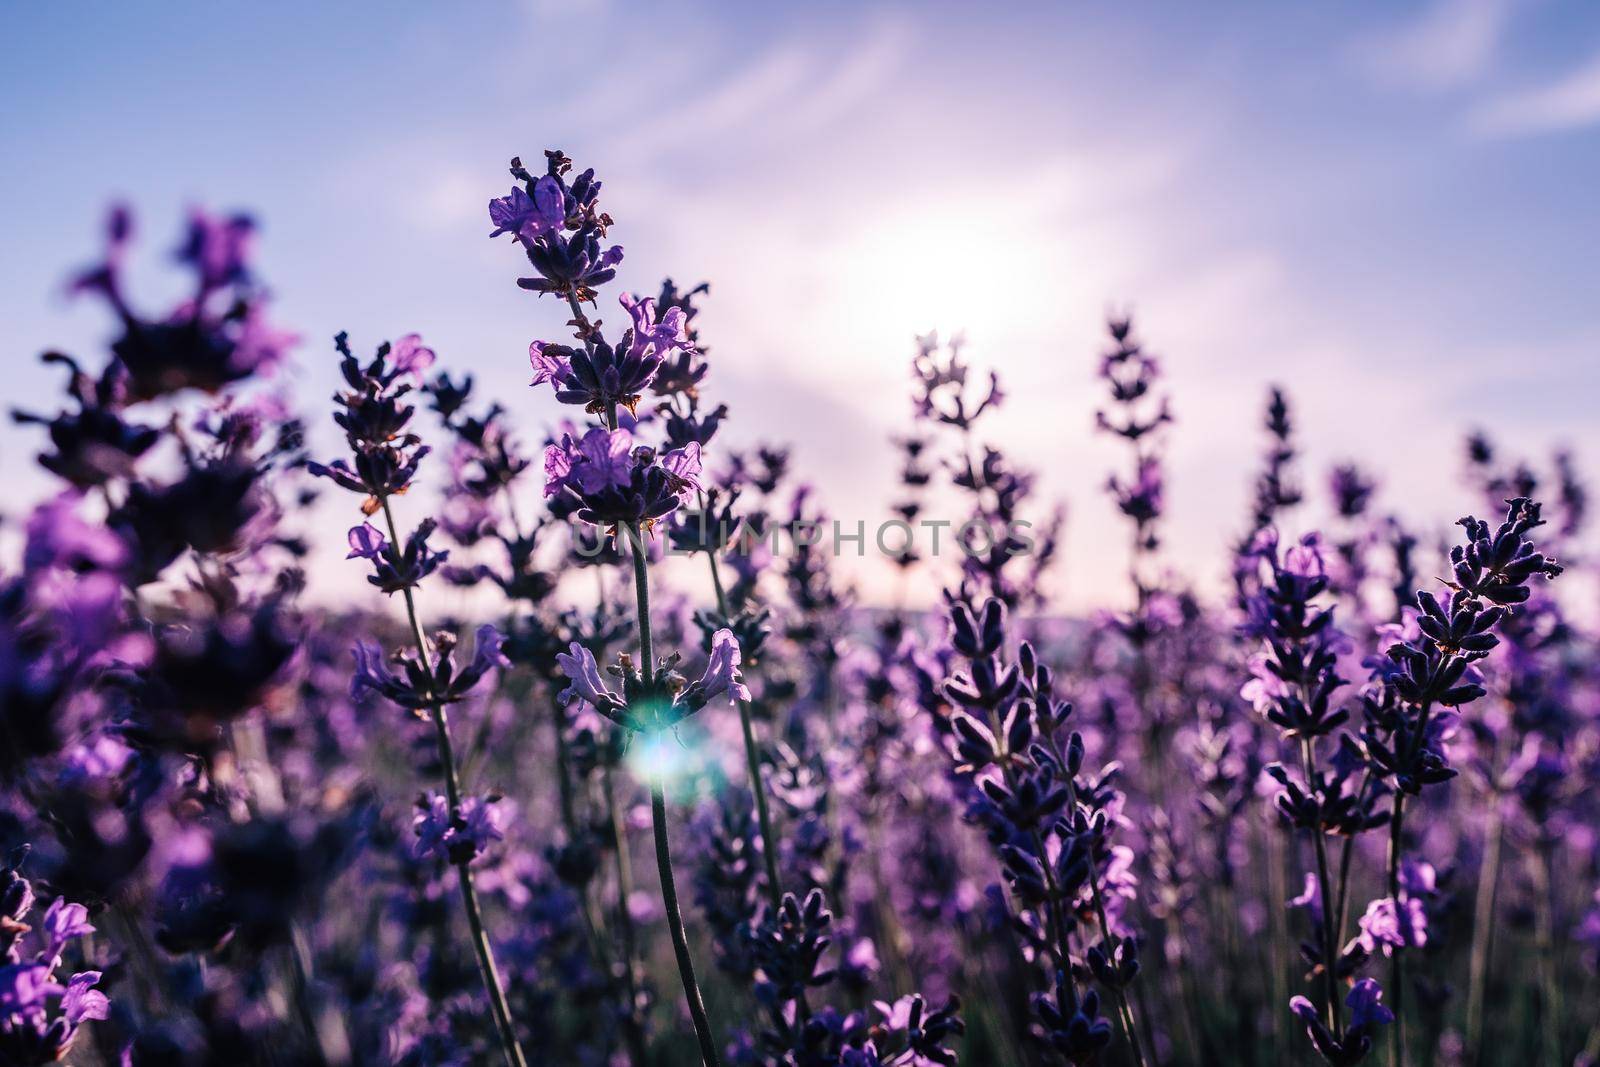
460 838
528 217
612 482
1391 924
1366 1005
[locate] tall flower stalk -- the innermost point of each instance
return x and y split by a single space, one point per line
384 460
602 479
1425 680
1294 685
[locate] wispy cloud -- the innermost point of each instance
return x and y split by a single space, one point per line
1568 103
791 87
1453 43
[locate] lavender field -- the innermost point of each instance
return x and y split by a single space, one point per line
590 721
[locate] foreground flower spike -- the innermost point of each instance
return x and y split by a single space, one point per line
606 479
453 827
1419 688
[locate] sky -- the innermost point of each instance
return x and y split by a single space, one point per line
1387 209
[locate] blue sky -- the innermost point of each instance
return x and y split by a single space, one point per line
1389 209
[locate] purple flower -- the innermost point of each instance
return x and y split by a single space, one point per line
1310 898
609 481
897 1016
860 964
372 672
527 217
1352 490
411 356
599 376
1366 1005
415 686
548 366
487 653
603 461
82 1000
666 334
63 922
540 211
102 757
1389 924
260 346
476 825
664 699
1417 879
57 536
366 542
683 464
392 570
1304 560
557 467
584 681
217 248
24 988
1366 1012
722 673
1141 499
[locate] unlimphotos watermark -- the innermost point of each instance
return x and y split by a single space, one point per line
898 539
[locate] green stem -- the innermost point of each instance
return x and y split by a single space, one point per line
1346 853
469 893
680 940
658 815
1482 932
1330 951
1278 888
624 865
1397 1029
752 757
1545 939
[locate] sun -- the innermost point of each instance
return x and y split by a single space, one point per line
936 265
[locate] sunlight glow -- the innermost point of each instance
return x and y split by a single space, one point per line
660 758
938 264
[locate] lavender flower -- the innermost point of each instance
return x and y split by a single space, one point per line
420 685
40 1017
460 836
1367 1013
559 225
217 337
662 700
614 483
395 570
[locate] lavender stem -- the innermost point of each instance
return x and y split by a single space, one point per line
1397 1032
658 814
1482 934
752 756
452 785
